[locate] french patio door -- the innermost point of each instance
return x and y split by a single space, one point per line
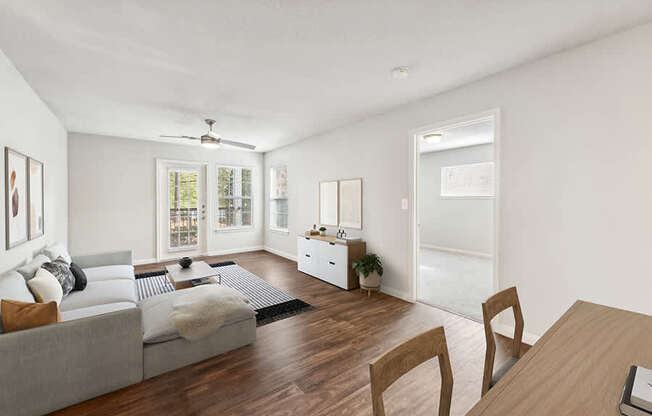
182 209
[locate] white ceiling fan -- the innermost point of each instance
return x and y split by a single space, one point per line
212 139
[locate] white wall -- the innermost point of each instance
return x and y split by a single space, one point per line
576 209
28 126
113 194
455 223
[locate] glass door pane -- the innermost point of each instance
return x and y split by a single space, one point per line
183 189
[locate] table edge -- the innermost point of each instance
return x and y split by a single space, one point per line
482 405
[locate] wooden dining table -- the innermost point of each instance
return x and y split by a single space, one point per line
578 367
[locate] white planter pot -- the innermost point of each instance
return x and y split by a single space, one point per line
370 282
322 233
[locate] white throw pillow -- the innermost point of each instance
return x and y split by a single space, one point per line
57 250
29 270
45 287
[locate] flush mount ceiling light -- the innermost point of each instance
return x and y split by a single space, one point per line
432 138
400 72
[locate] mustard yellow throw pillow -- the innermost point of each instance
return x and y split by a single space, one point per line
17 315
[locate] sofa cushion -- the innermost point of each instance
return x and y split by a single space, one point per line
97 274
100 293
57 250
157 325
13 287
29 270
45 287
80 313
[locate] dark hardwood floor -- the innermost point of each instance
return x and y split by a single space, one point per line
315 363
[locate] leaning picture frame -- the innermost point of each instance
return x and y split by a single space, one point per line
350 202
35 194
16 191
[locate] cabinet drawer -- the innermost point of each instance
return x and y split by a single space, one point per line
307 255
333 252
333 263
335 272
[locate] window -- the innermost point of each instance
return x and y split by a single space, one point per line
278 199
182 203
234 201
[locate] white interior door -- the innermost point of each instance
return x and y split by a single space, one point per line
182 209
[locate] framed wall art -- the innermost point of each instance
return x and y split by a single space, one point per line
351 203
16 191
35 198
475 180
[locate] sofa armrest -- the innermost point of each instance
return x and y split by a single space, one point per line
105 259
51 367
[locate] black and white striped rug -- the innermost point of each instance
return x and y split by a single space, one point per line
270 303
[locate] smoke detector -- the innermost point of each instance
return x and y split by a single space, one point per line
400 72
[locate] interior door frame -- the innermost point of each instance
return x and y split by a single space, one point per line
203 236
414 192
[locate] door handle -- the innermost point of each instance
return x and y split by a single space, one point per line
307 255
332 244
306 238
332 263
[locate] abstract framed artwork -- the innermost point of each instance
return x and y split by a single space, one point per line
474 180
16 189
35 195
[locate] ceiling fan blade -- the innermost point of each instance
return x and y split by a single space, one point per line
237 144
180 137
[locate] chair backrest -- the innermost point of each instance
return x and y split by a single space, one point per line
389 367
497 303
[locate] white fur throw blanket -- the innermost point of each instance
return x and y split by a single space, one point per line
200 311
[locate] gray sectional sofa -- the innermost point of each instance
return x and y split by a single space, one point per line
99 347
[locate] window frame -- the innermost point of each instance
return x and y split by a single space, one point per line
272 226
216 227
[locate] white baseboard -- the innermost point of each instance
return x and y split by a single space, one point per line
233 251
396 293
144 261
508 331
208 253
281 253
457 251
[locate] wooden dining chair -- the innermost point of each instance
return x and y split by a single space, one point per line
389 367
497 303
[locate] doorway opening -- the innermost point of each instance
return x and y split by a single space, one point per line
456 211
181 209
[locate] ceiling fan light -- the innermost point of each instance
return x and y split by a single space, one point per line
210 142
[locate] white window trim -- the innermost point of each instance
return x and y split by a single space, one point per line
269 198
235 228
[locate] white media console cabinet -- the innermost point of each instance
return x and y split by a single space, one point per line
329 260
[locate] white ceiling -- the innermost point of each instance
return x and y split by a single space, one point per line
463 135
275 71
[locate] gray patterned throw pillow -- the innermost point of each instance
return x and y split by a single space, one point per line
59 268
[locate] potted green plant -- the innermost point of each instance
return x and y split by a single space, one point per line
369 268
322 230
